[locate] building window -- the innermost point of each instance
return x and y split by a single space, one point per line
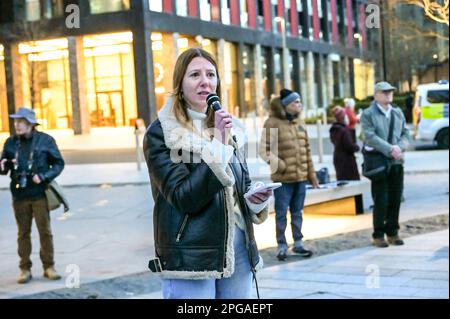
323 19
104 6
318 77
292 72
341 14
300 18
249 81
265 78
4 119
155 5
53 8
320 15
260 16
303 77
357 43
274 13
230 78
181 8
164 53
278 70
225 12
310 20
244 13
336 79
205 10
47 9
287 9
32 10
44 71
111 90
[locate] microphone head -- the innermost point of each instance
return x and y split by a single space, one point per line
212 100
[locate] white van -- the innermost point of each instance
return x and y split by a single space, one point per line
430 115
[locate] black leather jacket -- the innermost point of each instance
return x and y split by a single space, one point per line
190 216
47 163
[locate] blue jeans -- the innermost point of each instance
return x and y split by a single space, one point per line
238 286
289 195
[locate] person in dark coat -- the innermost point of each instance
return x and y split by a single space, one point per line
32 160
203 224
344 147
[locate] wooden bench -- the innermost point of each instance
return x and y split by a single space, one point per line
335 200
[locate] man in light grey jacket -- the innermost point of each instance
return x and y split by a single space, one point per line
387 192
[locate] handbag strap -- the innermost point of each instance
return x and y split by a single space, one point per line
391 127
390 133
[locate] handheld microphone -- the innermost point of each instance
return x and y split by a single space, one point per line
213 102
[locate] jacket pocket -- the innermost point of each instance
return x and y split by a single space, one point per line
182 227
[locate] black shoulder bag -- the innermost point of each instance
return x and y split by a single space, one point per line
376 165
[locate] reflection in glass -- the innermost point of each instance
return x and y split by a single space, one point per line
249 81
32 10
230 78
205 10
182 7
111 90
44 75
3 102
278 72
155 5
103 6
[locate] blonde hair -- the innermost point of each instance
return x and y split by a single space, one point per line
179 104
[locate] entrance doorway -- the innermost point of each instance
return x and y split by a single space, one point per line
110 109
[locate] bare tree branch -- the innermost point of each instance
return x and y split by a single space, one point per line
432 9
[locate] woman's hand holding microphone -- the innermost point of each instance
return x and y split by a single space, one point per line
222 125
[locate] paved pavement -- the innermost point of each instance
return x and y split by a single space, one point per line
109 231
419 269
127 173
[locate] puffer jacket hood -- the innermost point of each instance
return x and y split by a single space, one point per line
278 110
284 145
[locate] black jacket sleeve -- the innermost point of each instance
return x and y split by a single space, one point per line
8 156
55 161
347 142
187 191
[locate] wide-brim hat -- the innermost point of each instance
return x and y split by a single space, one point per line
25 113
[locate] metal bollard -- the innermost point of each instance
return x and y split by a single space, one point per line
138 152
319 141
139 128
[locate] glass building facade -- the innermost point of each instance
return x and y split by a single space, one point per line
240 34
44 76
3 101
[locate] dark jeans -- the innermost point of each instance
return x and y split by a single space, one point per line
387 195
289 195
24 212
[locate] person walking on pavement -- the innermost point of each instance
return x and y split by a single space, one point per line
285 147
386 192
344 147
352 118
33 160
204 239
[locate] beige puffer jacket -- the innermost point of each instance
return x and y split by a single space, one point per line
288 152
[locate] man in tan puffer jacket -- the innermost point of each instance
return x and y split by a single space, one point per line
285 147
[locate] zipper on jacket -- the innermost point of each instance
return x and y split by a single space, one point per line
222 193
183 225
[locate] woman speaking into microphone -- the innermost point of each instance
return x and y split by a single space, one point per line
203 225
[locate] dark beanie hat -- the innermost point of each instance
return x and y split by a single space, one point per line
288 96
